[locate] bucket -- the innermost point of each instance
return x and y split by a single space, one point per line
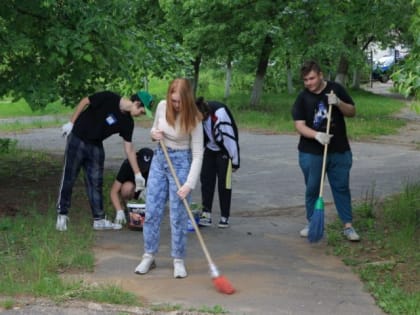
136 214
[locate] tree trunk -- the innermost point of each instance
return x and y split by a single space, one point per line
290 88
342 71
145 83
196 64
261 71
356 79
228 78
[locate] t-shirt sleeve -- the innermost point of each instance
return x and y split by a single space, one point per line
99 98
298 112
342 94
127 129
125 173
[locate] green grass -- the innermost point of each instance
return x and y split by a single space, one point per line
10 108
374 113
388 258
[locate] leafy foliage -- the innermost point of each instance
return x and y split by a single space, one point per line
67 49
407 78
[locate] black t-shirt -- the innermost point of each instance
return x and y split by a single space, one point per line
313 109
103 118
144 159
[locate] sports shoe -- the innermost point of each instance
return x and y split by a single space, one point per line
147 263
104 224
179 268
61 224
304 232
223 223
351 234
205 219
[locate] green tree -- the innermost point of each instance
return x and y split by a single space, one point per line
56 49
407 77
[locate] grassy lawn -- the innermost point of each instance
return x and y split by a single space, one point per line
387 259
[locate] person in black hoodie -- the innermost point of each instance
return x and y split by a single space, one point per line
221 158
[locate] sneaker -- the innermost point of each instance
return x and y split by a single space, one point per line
179 268
223 223
104 224
147 263
61 224
304 232
205 219
351 234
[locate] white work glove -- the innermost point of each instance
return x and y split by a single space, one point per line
66 129
142 194
120 217
140 182
323 138
333 99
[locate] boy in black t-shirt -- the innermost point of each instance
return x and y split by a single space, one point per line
123 187
309 113
96 118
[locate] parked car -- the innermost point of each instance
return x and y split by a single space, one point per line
383 67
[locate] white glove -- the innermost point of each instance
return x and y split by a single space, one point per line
333 99
120 217
140 182
323 138
142 194
66 129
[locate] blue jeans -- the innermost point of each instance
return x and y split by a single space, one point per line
161 186
338 167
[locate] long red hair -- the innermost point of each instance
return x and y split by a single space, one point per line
189 113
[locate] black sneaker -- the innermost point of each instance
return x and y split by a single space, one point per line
223 223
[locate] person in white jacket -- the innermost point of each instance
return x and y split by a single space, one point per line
221 158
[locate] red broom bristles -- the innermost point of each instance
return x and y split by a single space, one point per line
223 285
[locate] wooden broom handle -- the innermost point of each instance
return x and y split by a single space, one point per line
324 158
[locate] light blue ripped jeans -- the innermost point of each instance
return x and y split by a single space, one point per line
160 186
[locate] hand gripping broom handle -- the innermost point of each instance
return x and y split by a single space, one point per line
213 269
324 158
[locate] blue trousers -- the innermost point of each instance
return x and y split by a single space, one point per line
338 167
80 154
161 186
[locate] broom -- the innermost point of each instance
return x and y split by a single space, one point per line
316 225
219 281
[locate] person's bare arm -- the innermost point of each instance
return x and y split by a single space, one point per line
304 130
114 194
348 110
84 102
131 156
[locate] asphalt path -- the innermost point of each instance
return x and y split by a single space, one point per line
269 178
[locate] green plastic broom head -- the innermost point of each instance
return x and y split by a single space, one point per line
319 204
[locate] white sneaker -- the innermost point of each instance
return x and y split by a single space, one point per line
351 234
205 219
104 224
61 224
304 232
179 268
147 263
